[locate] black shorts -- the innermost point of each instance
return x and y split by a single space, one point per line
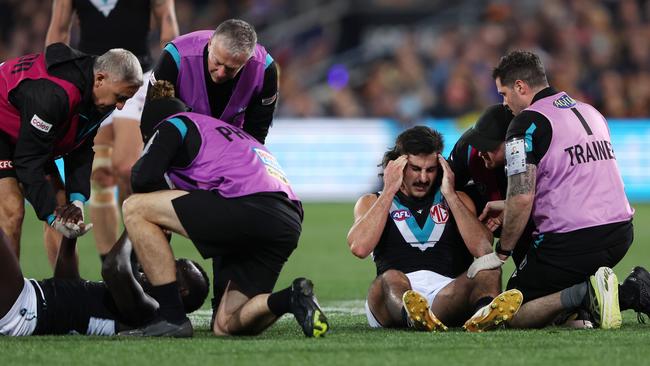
7 169
252 235
558 261
6 157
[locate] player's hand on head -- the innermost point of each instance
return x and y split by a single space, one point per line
448 177
394 173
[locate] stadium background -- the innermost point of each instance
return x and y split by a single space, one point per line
354 74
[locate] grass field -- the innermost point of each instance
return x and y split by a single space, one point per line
341 284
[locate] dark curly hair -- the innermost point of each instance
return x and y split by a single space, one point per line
414 141
520 65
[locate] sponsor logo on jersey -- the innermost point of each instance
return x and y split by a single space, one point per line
564 101
6 165
400 215
271 164
28 315
41 125
439 214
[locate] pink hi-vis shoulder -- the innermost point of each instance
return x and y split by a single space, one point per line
32 67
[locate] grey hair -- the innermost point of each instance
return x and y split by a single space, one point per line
121 65
239 37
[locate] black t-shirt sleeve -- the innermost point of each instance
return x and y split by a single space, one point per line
259 114
165 69
536 130
168 146
43 107
458 161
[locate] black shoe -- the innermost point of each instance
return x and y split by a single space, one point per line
162 328
635 292
306 310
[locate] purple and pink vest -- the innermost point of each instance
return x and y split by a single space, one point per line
578 181
12 73
231 162
191 78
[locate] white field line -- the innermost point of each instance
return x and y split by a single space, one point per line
346 307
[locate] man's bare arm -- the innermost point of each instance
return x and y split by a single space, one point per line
129 297
519 204
165 15
59 29
371 212
476 236
67 262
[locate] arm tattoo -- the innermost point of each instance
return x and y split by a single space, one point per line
523 183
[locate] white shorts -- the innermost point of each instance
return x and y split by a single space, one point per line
133 107
22 317
427 283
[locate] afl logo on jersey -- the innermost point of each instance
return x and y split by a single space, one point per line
564 101
400 215
439 214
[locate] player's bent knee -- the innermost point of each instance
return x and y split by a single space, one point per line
131 208
393 275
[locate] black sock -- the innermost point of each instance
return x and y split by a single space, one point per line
280 302
171 305
482 302
405 316
574 296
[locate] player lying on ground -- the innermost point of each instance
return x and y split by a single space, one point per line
68 304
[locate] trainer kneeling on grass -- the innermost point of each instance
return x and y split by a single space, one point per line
231 198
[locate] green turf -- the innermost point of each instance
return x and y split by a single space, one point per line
341 284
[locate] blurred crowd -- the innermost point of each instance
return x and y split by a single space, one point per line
424 66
